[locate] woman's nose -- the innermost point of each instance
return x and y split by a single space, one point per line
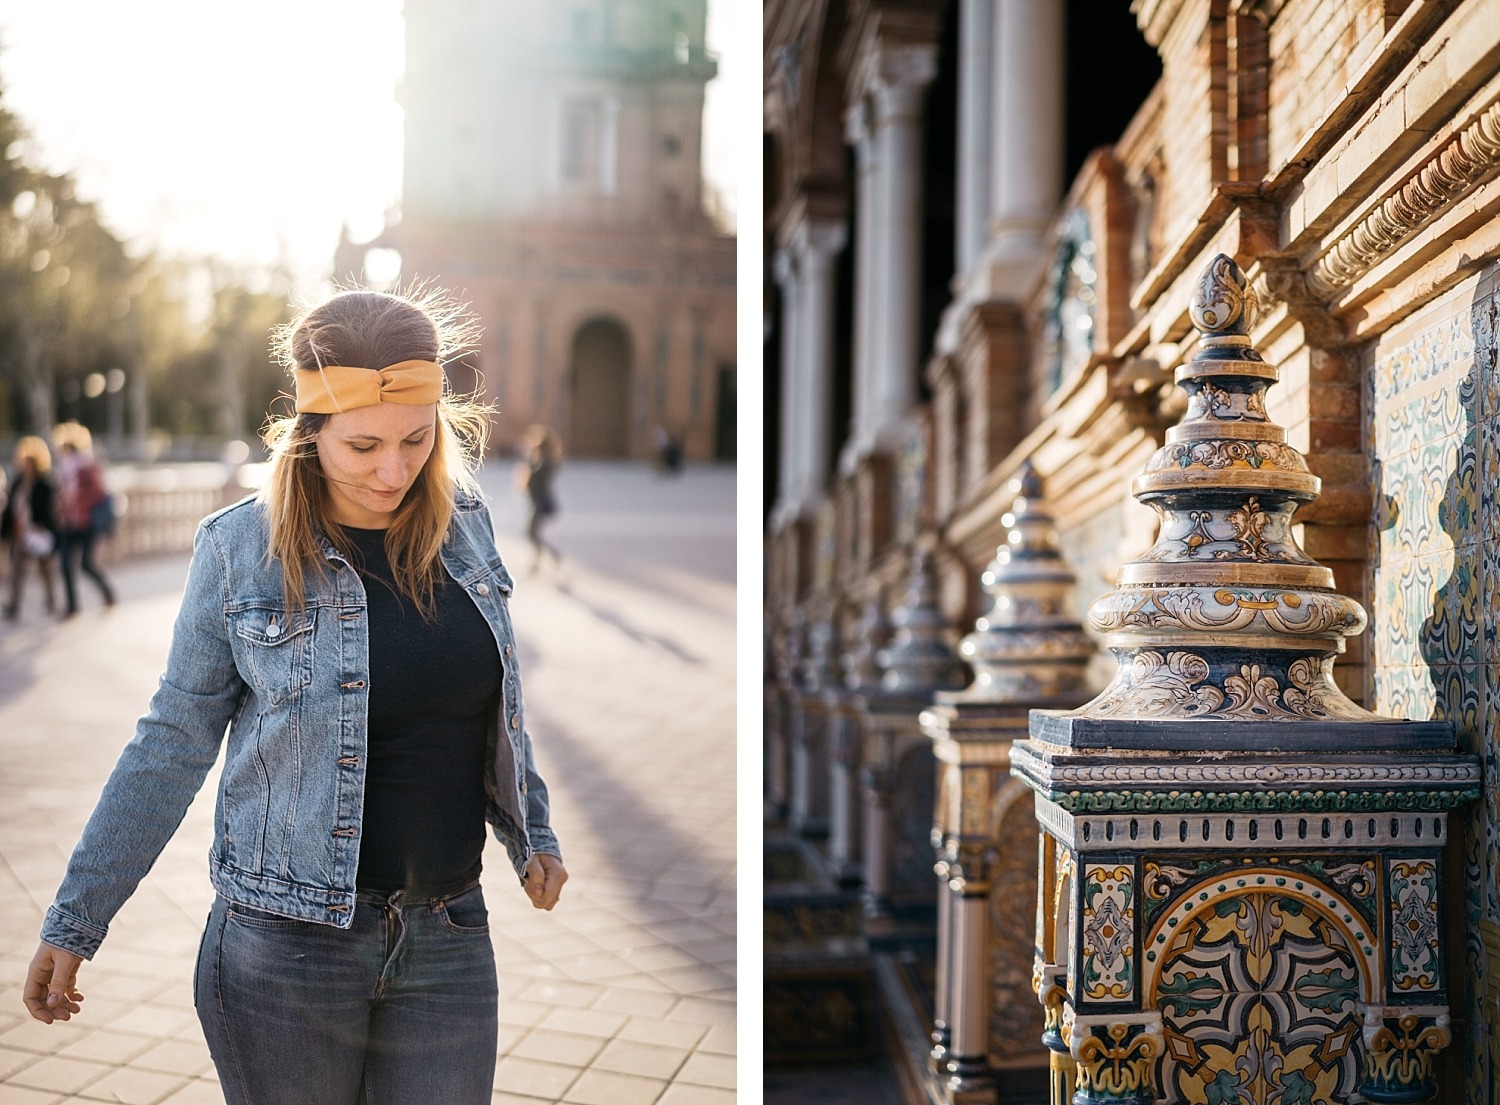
391 471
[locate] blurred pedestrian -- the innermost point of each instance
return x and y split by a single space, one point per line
349 628
668 447
28 526
80 492
539 479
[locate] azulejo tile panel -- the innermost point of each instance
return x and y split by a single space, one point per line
1434 422
1414 964
1108 932
1260 1001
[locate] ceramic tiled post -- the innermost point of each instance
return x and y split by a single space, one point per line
817 675
1027 649
785 661
1245 894
896 765
861 676
810 726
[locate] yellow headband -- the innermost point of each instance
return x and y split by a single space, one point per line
333 389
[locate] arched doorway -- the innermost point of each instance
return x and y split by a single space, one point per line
599 391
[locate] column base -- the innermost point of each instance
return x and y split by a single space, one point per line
969 1083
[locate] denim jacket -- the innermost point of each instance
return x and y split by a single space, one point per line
292 692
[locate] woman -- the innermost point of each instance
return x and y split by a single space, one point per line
349 626
80 488
543 456
28 525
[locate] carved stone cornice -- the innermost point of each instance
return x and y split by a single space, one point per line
1464 160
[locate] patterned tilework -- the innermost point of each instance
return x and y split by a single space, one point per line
1108 932
1433 411
1260 1002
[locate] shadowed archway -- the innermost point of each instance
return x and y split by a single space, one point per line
599 385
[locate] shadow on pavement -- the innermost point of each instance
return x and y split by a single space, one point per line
640 637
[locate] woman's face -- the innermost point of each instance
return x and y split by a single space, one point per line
371 456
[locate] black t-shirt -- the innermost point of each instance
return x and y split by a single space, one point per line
433 687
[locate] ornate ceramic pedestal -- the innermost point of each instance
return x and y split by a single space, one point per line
1243 869
808 808
1027 650
845 750
896 775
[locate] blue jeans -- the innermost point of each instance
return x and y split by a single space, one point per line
400 1009
75 550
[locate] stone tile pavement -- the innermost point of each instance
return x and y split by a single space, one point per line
623 995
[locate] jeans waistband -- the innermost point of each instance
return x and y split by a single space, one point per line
399 899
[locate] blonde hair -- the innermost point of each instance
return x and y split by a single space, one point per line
34 449
75 434
365 329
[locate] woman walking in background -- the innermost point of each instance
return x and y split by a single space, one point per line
350 628
543 457
28 526
80 491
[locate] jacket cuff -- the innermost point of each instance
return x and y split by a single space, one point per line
544 839
70 934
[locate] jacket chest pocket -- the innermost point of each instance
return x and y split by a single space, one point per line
274 652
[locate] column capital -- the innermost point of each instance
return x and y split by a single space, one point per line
817 241
858 128
1401 1043
897 76
1115 1054
784 269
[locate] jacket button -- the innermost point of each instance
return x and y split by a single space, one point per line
515 722
507 652
482 590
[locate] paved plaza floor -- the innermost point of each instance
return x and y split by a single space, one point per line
623 995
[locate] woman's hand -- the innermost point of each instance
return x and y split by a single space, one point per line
544 880
51 991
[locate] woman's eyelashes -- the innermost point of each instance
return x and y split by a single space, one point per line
410 443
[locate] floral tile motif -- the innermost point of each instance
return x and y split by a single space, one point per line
1260 1002
1413 958
1490 755
1458 692
1488 441
1446 346
1483 323
1404 693
1488 555
1441 410
1420 580
1450 633
1108 932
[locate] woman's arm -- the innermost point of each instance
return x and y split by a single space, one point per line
160 770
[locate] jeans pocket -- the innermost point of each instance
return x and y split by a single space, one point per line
465 913
259 918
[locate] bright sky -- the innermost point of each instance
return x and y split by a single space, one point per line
249 131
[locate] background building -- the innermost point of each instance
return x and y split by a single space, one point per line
553 176
984 220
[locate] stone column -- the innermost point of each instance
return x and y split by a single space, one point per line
970 992
790 477
1027 154
898 78
942 982
816 244
857 133
975 75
